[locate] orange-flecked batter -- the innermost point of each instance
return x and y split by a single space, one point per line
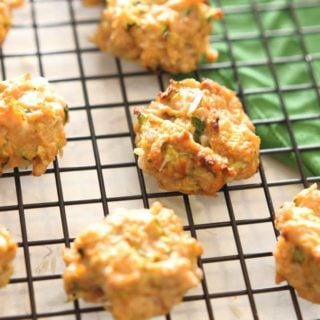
195 137
137 263
32 119
297 253
172 35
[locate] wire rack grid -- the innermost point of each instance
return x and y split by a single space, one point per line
99 172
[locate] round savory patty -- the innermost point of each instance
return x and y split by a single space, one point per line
8 249
5 16
137 263
297 252
195 137
172 35
32 119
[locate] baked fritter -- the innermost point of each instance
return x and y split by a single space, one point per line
5 16
137 263
8 249
297 252
171 35
195 137
32 119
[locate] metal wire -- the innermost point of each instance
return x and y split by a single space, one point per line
77 311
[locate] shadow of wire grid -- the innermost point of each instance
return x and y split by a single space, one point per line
269 54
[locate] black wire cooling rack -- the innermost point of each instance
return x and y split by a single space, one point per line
98 171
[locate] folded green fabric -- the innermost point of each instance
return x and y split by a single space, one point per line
253 76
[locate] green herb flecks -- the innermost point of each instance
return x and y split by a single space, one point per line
188 11
298 255
165 31
171 155
239 165
209 17
130 25
142 119
199 126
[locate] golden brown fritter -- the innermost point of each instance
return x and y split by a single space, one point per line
297 253
195 137
5 16
32 119
171 35
8 249
137 263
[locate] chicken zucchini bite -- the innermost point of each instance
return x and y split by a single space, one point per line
172 35
32 119
195 137
8 250
297 252
5 16
137 263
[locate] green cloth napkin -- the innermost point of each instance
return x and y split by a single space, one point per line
254 72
